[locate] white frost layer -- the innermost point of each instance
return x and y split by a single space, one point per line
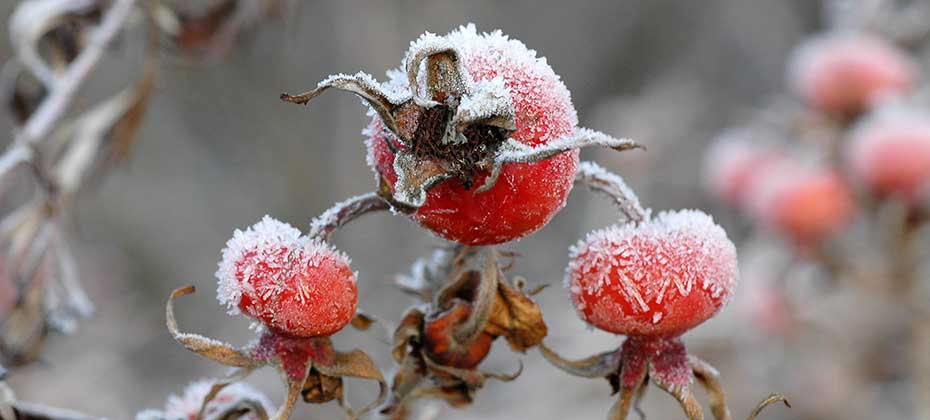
710 266
265 237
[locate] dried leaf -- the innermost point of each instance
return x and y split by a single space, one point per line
320 388
356 364
30 22
517 318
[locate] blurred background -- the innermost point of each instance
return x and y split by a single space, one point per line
217 150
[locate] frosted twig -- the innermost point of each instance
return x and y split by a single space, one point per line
601 180
342 213
62 94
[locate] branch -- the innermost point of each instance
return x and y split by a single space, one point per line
342 213
62 93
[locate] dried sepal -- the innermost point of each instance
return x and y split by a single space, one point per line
362 85
771 399
214 350
355 364
513 151
597 366
709 378
415 177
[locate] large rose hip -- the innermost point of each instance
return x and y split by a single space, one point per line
660 278
294 285
527 195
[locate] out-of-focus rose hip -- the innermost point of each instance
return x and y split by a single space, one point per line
294 285
845 73
657 279
733 165
807 204
890 154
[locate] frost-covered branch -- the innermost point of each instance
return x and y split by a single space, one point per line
342 213
603 181
62 93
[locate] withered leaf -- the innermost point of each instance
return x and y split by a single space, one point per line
517 318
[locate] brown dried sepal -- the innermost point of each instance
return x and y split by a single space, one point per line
440 344
311 368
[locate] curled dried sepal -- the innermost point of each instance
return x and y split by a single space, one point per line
355 364
207 347
771 399
709 378
361 84
597 366
513 151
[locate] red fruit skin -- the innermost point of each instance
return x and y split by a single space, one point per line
845 74
321 312
807 205
658 279
891 156
527 195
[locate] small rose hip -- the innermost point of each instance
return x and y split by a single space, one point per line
659 278
889 153
294 285
808 204
844 74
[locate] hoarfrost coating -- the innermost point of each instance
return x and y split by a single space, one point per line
663 276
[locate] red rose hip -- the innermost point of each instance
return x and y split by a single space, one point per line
527 195
294 285
659 278
844 74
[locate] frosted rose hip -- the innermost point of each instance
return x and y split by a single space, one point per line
660 278
846 73
527 195
294 285
807 204
890 154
